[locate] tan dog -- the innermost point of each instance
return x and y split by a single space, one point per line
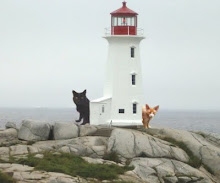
147 114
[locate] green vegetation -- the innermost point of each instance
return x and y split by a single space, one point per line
112 156
74 165
193 161
4 178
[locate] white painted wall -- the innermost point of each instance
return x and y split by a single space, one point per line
97 116
118 84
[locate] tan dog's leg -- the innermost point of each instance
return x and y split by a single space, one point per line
145 123
148 126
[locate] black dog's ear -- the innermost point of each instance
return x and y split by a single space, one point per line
74 93
84 92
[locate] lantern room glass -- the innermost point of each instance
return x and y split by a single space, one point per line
123 21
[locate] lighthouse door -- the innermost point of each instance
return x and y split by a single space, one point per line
102 113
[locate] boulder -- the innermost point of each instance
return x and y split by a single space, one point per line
166 170
18 150
130 144
87 130
4 153
23 173
8 136
10 125
34 130
63 131
204 147
94 147
213 138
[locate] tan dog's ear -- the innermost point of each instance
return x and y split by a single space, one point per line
156 108
147 107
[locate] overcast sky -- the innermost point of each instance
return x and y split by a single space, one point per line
49 47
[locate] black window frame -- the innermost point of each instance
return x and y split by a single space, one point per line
133 79
121 111
103 109
132 52
134 108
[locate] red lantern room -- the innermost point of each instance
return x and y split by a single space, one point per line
124 21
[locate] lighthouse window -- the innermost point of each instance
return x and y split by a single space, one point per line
122 21
134 108
119 21
132 52
103 109
133 79
121 111
132 21
115 21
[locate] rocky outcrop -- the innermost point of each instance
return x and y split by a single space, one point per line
8 137
84 146
34 130
152 153
131 144
62 131
22 173
207 152
167 170
10 125
94 147
211 137
87 130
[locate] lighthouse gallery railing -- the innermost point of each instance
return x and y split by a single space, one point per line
108 31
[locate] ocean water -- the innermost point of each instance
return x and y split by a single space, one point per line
207 121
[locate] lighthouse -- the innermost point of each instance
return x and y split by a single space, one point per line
122 101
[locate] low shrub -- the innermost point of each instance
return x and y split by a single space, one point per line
4 178
112 156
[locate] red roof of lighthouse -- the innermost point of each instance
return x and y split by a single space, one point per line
124 11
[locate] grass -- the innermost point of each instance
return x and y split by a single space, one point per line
74 165
112 156
4 178
193 161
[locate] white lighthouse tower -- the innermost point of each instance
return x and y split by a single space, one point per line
122 101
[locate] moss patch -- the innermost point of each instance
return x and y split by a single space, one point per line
112 156
74 165
4 178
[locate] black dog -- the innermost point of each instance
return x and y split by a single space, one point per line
82 106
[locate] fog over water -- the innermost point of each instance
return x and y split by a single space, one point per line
48 48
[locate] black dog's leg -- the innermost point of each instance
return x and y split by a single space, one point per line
80 118
85 120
